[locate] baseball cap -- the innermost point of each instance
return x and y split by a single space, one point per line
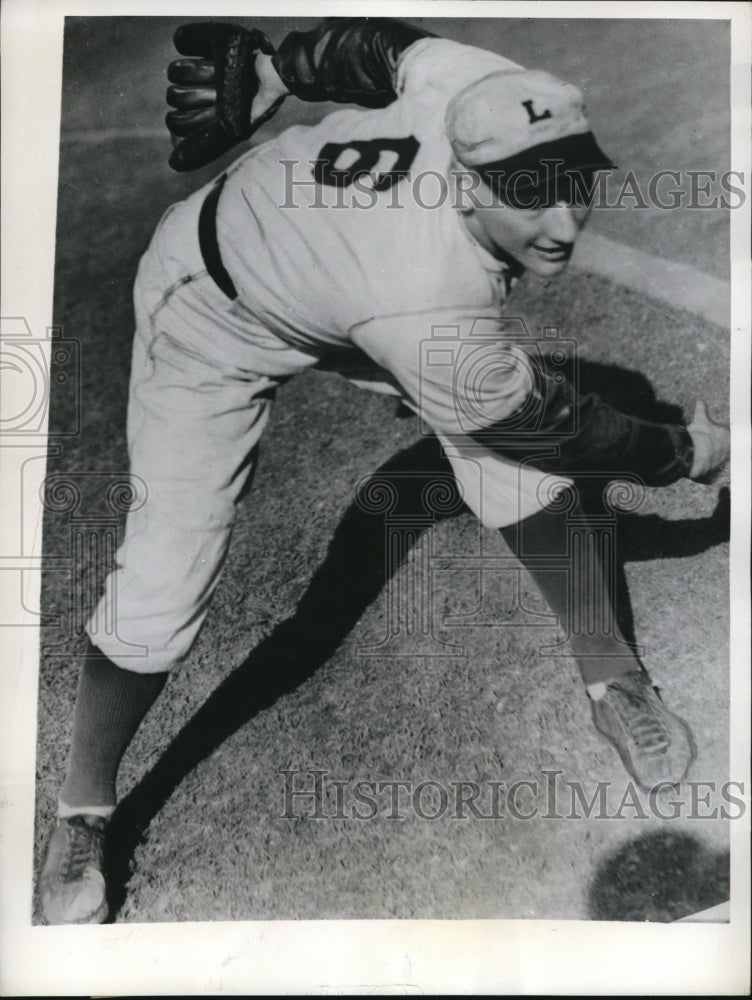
525 132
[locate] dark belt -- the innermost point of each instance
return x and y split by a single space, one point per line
207 240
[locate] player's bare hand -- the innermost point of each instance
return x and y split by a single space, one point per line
271 91
712 443
219 98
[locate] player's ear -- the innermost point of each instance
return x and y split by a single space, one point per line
465 187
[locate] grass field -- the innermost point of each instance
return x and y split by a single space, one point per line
278 679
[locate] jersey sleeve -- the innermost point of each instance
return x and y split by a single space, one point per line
461 379
372 61
452 369
440 65
346 60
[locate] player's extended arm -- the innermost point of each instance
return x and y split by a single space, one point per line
347 60
231 81
519 410
590 435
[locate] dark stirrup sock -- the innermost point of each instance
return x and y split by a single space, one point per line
110 705
581 595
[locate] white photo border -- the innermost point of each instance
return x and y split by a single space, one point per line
329 956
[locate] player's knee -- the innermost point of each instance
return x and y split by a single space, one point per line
150 654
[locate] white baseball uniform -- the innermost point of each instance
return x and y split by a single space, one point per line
379 279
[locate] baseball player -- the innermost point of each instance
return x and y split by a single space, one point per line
347 245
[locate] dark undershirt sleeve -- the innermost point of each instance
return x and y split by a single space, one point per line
590 435
346 60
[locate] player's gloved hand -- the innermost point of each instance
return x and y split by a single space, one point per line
223 91
712 443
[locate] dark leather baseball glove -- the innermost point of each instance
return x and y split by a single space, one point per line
213 90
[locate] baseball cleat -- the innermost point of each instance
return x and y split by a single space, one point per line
654 744
72 885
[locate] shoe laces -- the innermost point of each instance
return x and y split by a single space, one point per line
640 719
83 848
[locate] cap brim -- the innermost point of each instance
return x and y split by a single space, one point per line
541 169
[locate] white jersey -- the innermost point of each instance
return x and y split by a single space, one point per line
327 258
341 250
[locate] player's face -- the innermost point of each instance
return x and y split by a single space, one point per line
541 239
